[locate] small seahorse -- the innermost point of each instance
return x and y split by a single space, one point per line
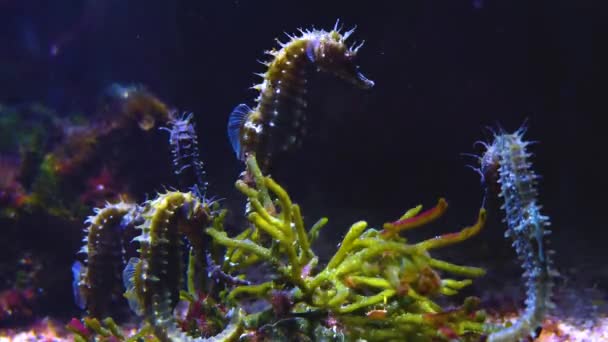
506 162
184 147
97 285
153 280
277 121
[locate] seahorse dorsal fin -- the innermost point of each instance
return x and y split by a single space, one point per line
128 279
235 122
311 50
78 269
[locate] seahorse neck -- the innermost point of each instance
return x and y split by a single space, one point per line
286 76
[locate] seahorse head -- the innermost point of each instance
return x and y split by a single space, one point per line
489 164
330 53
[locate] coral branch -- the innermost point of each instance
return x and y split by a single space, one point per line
412 219
370 268
452 238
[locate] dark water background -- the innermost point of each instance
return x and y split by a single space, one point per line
444 70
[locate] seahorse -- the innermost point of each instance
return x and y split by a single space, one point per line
506 164
277 121
97 286
184 147
153 281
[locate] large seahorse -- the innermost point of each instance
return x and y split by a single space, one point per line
505 165
277 121
153 281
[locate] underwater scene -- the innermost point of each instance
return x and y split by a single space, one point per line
300 171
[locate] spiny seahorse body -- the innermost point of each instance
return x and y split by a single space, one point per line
277 122
98 284
184 147
154 280
507 162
